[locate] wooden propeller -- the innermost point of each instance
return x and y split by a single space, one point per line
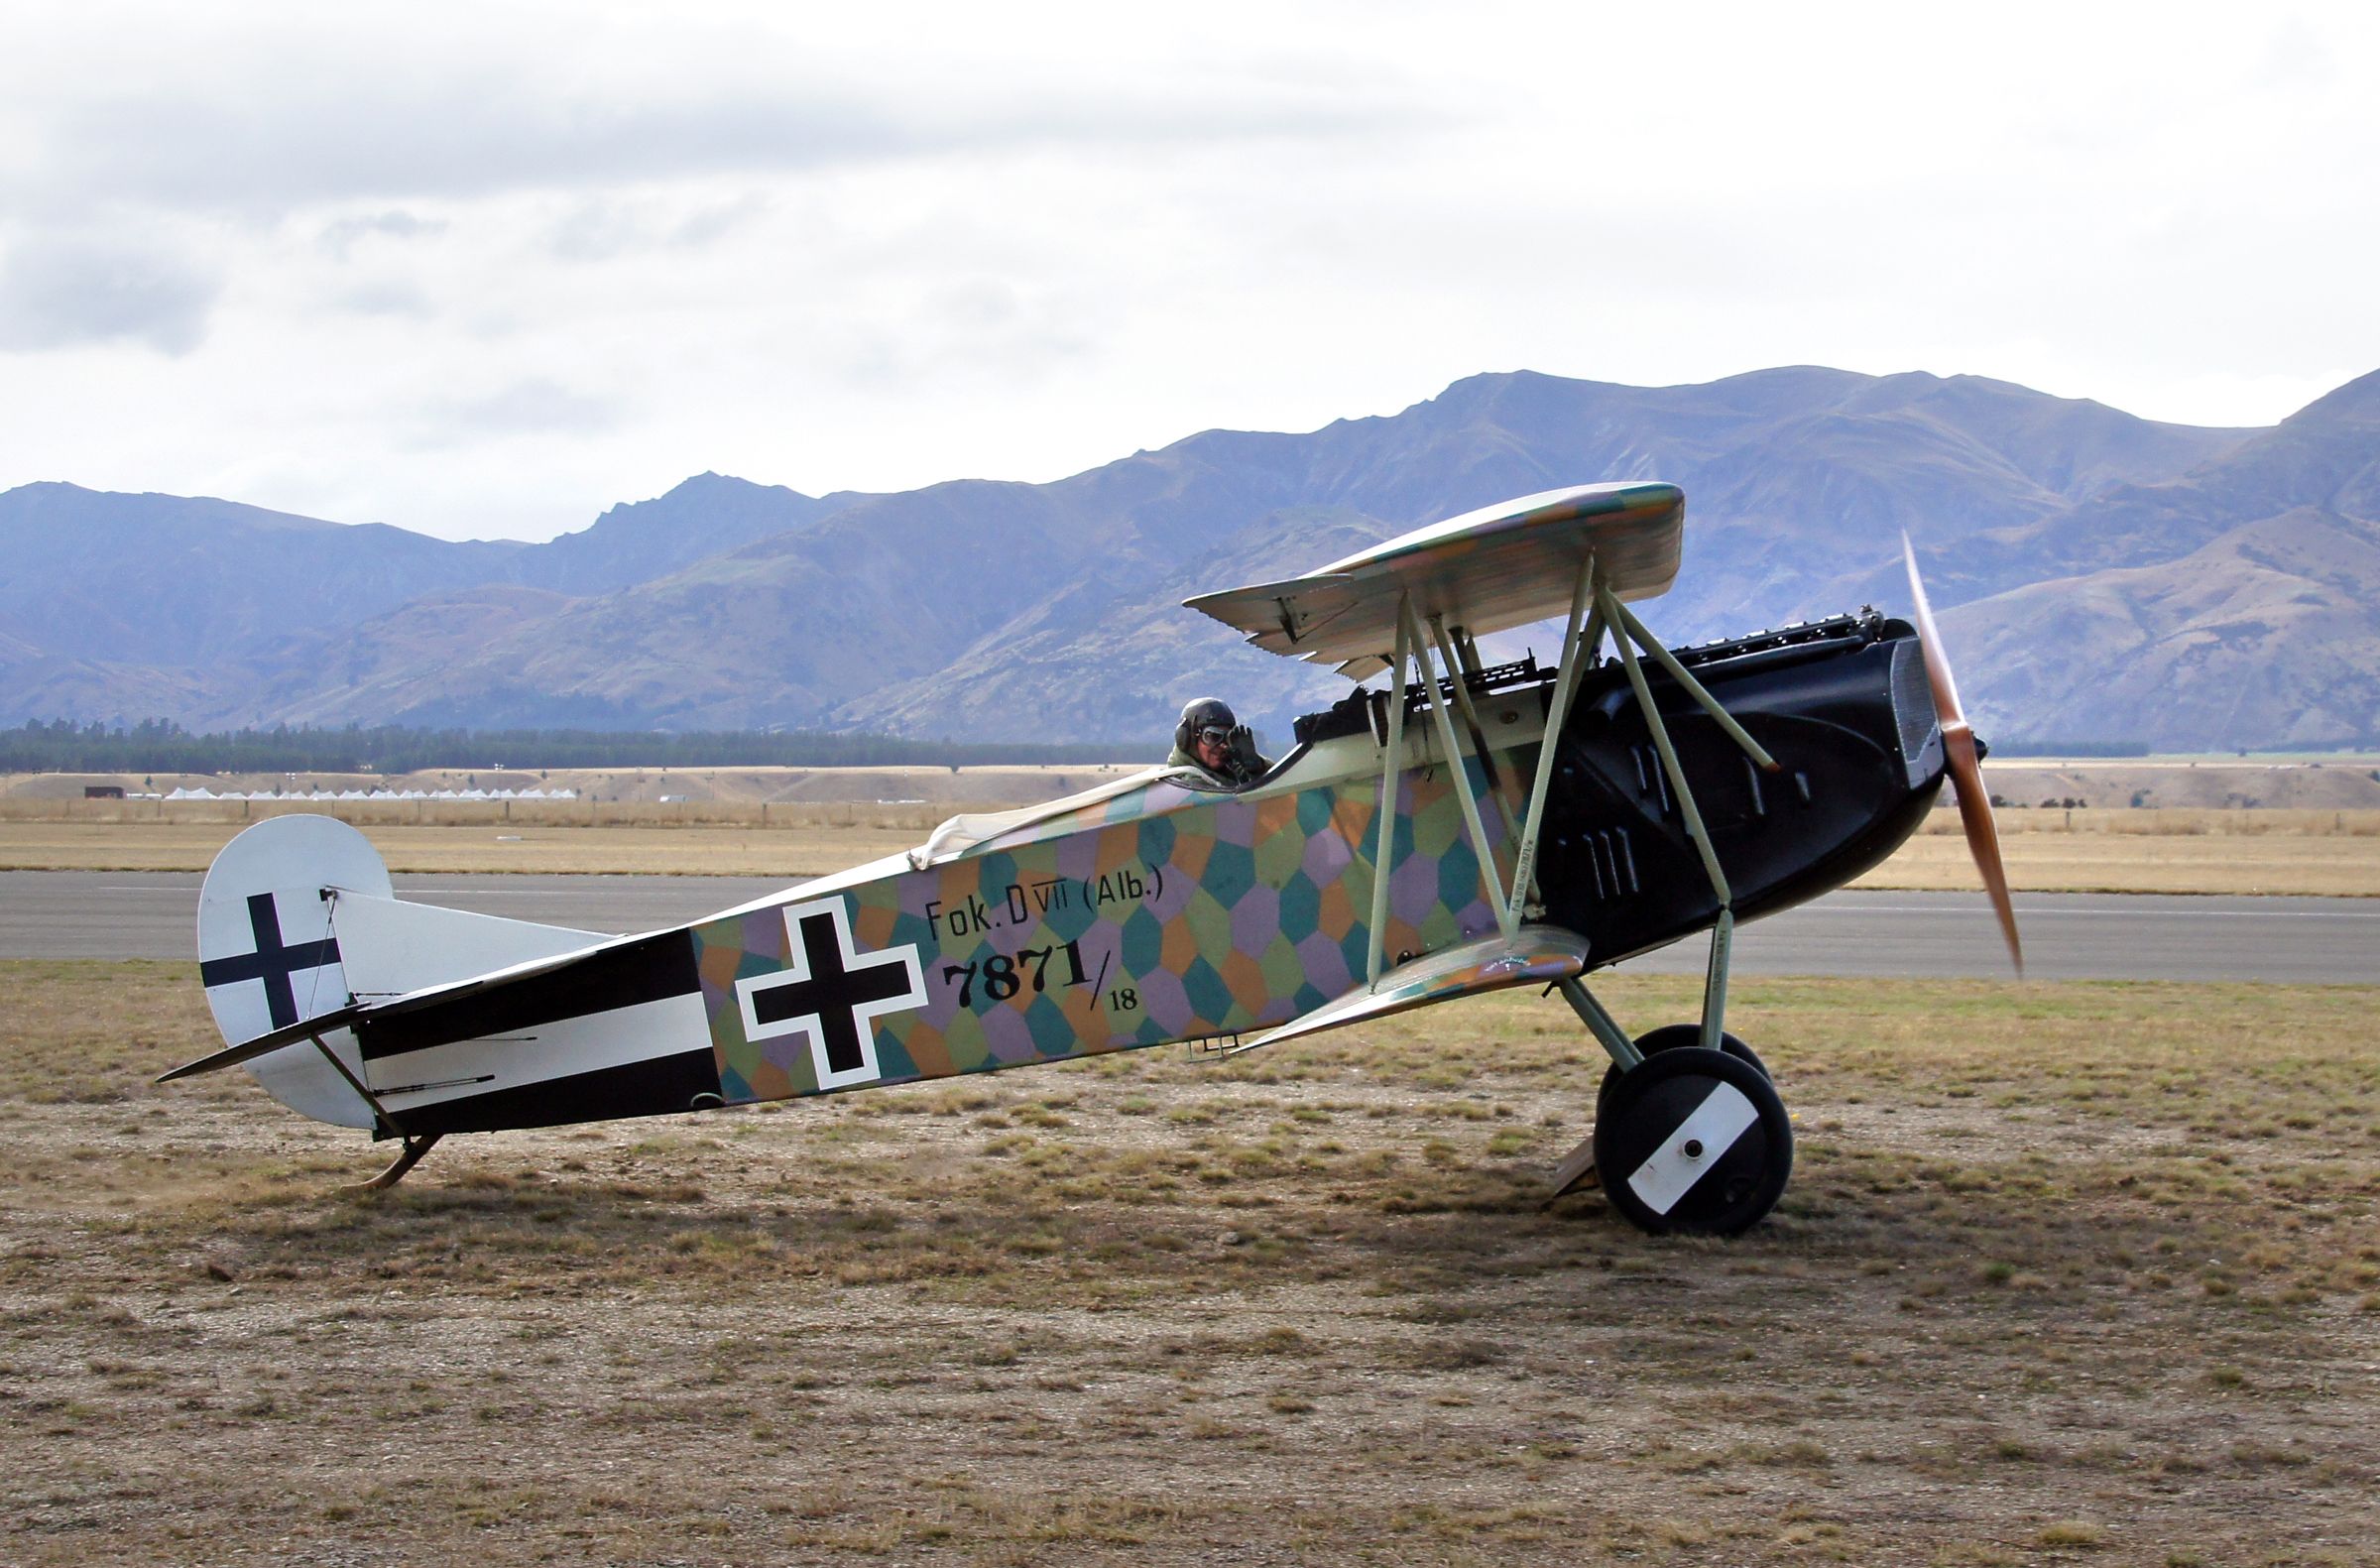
1966 767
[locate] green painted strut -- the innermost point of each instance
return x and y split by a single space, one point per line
1391 763
1460 775
1715 984
1669 753
1625 619
1573 652
1602 1025
1456 667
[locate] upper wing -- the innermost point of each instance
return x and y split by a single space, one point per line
1502 566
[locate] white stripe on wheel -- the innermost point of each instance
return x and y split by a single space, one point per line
1668 1171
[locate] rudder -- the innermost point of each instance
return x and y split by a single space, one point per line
298 918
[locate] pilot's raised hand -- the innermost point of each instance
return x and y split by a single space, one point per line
1243 752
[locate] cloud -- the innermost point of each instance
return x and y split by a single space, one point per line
60 291
506 256
533 406
718 220
274 120
601 230
976 327
2294 57
339 238
386 299
593 231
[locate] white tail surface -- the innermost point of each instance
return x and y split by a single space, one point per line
298 918
393 947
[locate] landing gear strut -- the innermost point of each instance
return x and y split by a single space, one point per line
1690 1136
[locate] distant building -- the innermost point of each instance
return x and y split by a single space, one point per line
103 791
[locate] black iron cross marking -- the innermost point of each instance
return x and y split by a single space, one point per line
271 962
832 992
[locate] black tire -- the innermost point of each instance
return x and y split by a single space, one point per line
1667 1180
1673 1037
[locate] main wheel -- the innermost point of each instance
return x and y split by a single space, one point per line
1672 1036
1694 1142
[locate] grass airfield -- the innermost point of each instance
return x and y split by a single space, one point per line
2084 1273
2047 850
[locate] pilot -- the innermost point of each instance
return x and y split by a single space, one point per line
1211 739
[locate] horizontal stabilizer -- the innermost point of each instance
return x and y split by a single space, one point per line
411 1001
1534 955
263 1044
393 947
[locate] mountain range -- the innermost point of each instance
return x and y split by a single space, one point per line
2101 576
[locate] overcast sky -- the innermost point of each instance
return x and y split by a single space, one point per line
486 270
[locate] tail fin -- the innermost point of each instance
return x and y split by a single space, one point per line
298 918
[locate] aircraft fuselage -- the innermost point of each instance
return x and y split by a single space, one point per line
1169 914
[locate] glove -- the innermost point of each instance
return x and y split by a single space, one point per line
1243 753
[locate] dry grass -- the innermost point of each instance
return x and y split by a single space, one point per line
665 793
232 815
802 851
2082 1273
2328 781
2165 822
2144 851
2328 853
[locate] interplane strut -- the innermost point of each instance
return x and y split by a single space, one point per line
1441 715
1594 609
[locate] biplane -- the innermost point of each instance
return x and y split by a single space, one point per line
1458 827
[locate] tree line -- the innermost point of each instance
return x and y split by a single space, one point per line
160 746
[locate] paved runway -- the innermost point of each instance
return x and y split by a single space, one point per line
2068 936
